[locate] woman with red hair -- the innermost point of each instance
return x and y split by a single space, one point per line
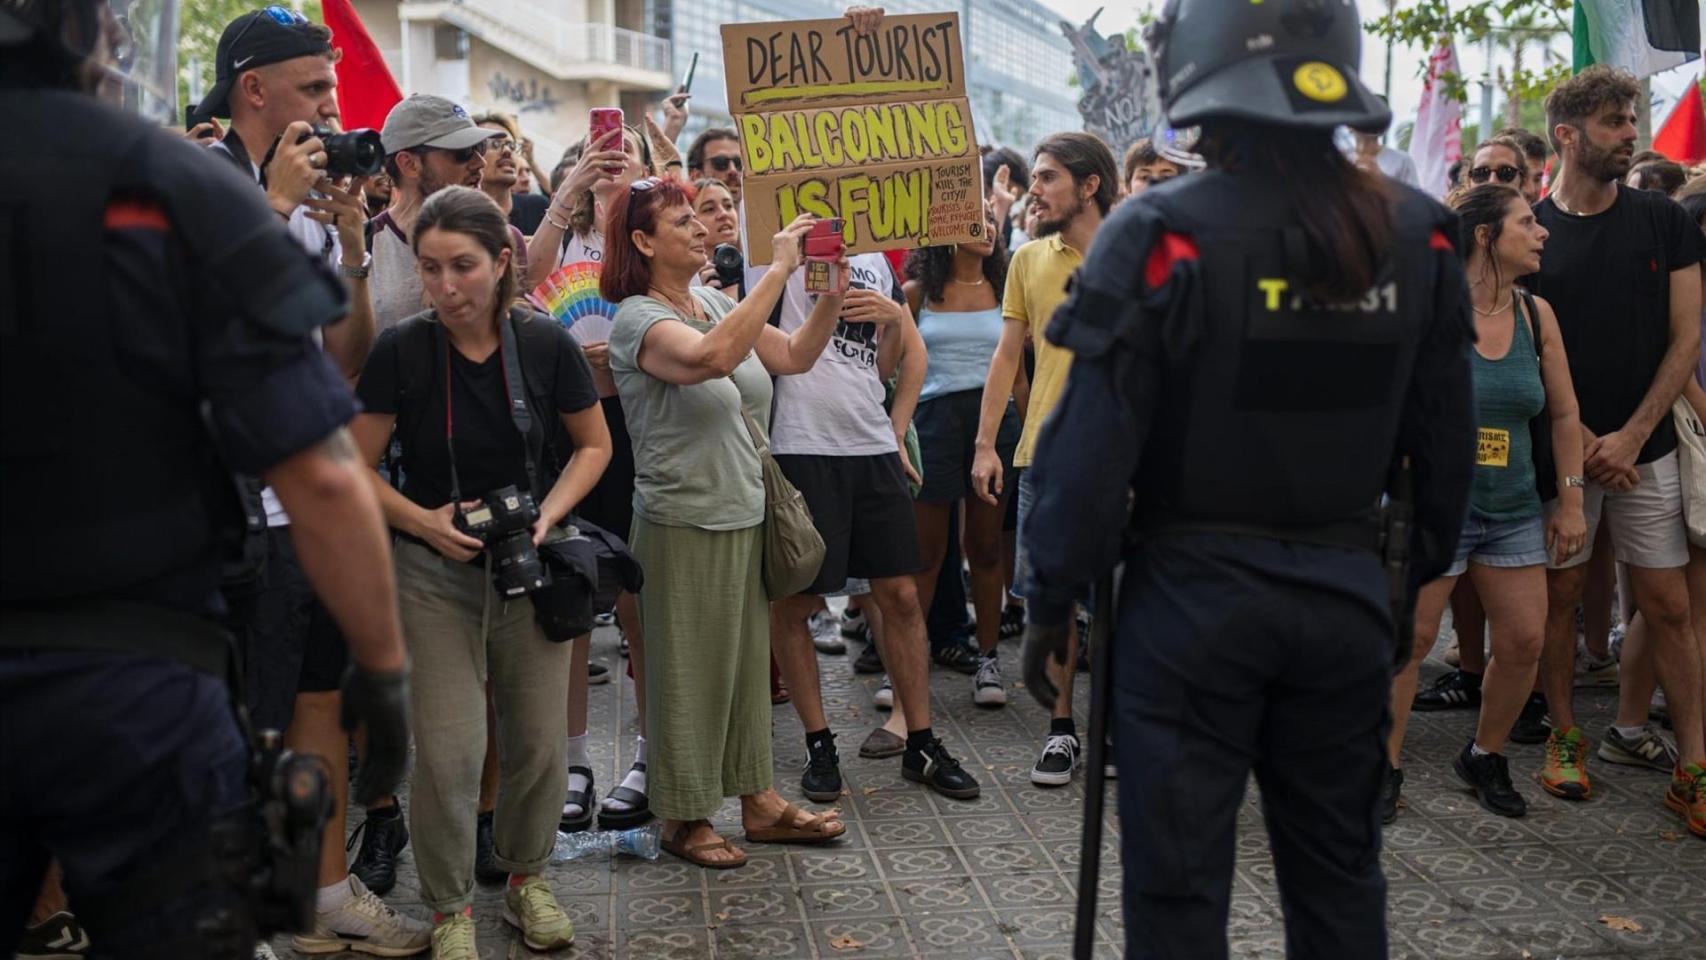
687 361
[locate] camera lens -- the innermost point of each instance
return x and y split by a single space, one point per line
729 263
356 153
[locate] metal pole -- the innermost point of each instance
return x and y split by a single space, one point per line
1487 92
1095 778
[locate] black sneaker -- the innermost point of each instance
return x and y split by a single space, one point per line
822 780
1490 777
958 656
1012 621
939 771
383 837
59 937
1531 725
486 869
1455 690
1390 791
1060 757
868 660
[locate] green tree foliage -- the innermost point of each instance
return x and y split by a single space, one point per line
200 23
1523 27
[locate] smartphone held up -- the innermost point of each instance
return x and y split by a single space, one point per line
823 247
603 120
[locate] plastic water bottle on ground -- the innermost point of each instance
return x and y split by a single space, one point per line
639 842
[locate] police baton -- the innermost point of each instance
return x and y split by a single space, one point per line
1095 779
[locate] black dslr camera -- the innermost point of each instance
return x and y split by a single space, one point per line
504 523
729 263
353 153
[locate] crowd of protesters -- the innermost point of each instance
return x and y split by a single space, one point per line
904 406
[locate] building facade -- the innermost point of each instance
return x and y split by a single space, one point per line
550 61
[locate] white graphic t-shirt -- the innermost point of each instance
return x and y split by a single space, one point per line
835 409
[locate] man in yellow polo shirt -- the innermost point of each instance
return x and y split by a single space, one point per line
1074 183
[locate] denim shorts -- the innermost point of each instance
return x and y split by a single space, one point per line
1500 543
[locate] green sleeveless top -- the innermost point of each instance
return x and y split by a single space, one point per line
1508 394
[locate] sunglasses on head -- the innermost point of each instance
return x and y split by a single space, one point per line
722 164
283 16
643 185
1504 173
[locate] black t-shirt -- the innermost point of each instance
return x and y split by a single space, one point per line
527 211
405 376
1608 278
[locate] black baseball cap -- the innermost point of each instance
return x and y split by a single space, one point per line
269 35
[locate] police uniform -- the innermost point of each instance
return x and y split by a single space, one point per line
156 325
1251 433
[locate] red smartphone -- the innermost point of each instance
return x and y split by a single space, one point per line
823 246
604 120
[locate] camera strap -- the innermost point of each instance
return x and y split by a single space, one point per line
509 360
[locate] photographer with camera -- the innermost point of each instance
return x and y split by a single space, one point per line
480 394
717 210
275 80
185 349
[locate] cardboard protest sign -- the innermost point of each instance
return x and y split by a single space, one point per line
874 129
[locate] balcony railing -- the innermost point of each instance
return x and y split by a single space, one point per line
565 42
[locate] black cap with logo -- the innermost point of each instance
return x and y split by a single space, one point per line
270 35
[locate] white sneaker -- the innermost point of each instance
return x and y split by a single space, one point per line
365 924
853 625
826 632
1060 757
885 694
1592 671
986 686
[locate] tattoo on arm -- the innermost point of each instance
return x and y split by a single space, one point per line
340 447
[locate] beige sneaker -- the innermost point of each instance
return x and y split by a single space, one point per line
453 939
532 909
365 924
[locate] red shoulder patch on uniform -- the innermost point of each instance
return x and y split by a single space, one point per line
136 215
1439 241
1173 248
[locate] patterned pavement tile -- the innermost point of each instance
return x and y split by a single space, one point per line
762 940
874 936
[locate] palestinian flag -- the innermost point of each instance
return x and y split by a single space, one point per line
1640 36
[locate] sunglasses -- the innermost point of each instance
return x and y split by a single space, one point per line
283 16
1504 173
460 157
499 145
722 164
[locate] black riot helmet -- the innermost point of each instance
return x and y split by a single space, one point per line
122 51
1290 63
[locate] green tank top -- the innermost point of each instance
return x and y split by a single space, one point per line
1508 394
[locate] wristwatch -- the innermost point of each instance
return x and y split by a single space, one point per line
357 273
1574 481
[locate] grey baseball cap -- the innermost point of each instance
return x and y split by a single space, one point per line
423 120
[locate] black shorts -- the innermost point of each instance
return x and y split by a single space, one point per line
863 511
610 503
947 438
291 644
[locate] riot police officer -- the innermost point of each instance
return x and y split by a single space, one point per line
1264 352
154 336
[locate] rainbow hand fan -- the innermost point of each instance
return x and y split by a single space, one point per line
571 296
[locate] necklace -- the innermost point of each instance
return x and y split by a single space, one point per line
691 309
1490 313
970 283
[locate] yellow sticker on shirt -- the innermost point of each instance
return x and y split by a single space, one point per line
1494 449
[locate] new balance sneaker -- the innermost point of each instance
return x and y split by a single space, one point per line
1595 671
1489 776
365 924
1454 690
383 835
1649 749
453 939
822 778
987 690
59 937
937 769
957 655
884 697
1060 757
1531 725
532 909
869 660
1012 621
1391 791
486 869
1687 796
825 627
1564 773
854 626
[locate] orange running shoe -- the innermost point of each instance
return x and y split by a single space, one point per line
1687 796
1565 772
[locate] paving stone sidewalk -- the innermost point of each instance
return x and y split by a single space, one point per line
922 876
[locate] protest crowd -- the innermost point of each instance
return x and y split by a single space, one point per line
903 400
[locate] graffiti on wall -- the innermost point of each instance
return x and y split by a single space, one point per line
524 95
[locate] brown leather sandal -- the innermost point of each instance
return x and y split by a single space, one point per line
818 828
694 854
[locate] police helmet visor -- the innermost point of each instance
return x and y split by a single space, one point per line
141 69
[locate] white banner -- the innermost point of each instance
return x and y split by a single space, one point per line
1436 142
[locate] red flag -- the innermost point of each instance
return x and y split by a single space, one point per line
1683 137
366 90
